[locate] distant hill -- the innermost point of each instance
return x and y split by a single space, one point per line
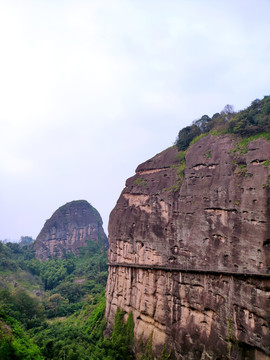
68 229
26 240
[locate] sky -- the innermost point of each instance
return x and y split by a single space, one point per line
91 89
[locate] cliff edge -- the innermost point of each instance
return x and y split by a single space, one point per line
190 250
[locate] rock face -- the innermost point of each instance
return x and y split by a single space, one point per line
68 229
191 258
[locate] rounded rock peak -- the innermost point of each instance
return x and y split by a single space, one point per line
78 209
68 229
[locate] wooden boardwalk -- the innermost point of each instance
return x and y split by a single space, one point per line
177 268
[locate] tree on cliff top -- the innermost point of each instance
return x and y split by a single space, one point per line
251 121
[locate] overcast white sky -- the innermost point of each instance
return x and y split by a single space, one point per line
90 89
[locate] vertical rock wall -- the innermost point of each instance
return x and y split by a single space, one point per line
193 263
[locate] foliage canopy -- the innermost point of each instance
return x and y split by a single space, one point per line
251 121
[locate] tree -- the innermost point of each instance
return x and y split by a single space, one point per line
204 123
186 135
54 302
228 110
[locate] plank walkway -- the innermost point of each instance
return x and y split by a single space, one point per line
171 268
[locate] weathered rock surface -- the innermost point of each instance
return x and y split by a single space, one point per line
193 264
68 229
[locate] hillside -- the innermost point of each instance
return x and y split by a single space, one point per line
54 308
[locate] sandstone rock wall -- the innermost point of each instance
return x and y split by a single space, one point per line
193 263
68 229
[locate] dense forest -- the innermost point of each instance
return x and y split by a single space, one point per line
55 309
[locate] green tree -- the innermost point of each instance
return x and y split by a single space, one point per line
186 135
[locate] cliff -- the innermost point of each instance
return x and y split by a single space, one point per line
68 229
190 250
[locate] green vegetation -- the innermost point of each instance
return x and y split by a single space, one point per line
180 173
197 138
166 354
253 120
67 282
15 344
186 135
247 125
81 336
229 337
34 294
266 163
140 182
123 334
207 154
250 123
241 169
147 353
21 306
56 309
241 146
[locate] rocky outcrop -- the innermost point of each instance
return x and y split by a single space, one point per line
190 257
68 229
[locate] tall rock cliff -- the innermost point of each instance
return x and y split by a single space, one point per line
68 229
191 256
